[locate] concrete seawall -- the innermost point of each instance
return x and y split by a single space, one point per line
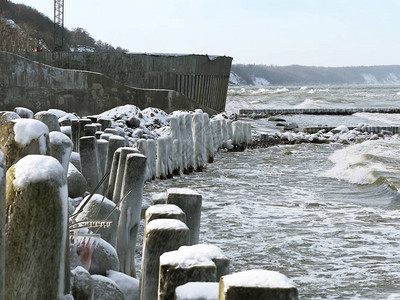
201 78
39 87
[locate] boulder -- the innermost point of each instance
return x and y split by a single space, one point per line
106 289
104 258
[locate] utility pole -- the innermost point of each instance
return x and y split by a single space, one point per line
58 25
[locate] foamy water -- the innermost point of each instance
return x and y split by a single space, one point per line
326 216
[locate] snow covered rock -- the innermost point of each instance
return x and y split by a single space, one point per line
100 208
127 284
82 284
106 289
104 258
49 119
24 112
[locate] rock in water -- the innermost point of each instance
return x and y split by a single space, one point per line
37 266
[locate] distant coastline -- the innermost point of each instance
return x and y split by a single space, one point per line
264 75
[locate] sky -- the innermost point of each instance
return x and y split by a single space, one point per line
277 32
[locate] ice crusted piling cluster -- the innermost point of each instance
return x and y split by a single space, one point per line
74 199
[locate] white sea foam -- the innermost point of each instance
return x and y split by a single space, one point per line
311 103
389 119
365 163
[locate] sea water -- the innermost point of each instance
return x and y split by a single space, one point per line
327 216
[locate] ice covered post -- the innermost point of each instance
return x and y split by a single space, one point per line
198 139
61 148
89 161
177 144
190 202
37 266
114 142
121 169
181 266
21 137
189 142
256 284
130 212
152 158
161 235
2 222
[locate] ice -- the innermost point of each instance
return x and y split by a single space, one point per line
28 129
184 191
165 224
257 278
35 168
188 256
127 284
164 208
197 290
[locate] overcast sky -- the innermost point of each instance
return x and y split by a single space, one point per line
279 32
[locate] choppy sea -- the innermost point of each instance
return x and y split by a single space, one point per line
327 216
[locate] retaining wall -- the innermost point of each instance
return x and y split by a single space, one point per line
37 86
201 78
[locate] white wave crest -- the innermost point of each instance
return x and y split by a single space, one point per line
310 103
364 163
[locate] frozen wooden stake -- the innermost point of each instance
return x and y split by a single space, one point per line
161 235
189 142
2 229
89 161
256 284
102 151
37 264
61 148
198 140
124 151
21 137
190 202
152 158
113 173
114 142
129 219
164 211
181 266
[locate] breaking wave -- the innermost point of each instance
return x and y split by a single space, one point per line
370 163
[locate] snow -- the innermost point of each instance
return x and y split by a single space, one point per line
257 278
27 130
188 256
258 81
164 208
36 168
182 191
127 284
58 112
197 290
165 224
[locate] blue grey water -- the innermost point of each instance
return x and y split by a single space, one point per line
327 216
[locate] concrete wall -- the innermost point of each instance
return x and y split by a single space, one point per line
39 87
199 77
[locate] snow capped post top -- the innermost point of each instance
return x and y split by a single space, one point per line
36 168
257 279
28 129
182 191
163 208
165 224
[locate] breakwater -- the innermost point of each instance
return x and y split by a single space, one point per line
314 111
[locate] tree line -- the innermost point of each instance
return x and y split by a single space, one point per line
23 28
